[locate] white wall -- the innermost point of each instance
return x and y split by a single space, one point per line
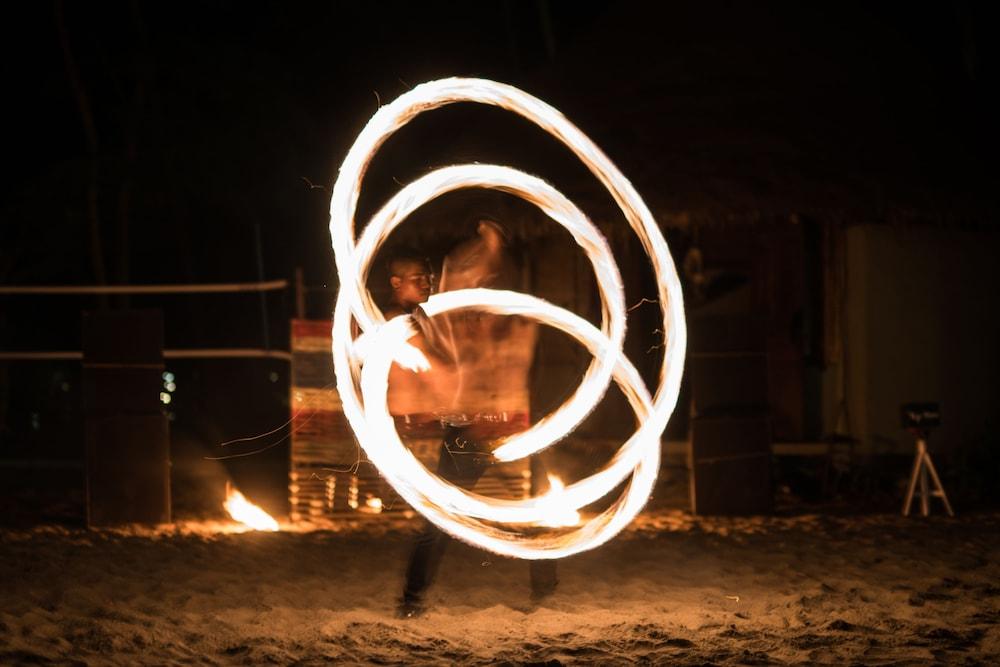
922 323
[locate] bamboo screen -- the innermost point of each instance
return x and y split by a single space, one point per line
329 476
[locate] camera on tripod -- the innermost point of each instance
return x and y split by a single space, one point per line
920 417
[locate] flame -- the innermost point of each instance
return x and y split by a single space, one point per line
362 366
246 512
560 516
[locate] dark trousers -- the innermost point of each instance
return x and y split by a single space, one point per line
461 462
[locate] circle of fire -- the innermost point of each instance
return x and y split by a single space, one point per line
362 365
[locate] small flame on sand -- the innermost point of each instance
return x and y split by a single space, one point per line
246 512
565 516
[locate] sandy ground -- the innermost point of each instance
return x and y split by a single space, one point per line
673 589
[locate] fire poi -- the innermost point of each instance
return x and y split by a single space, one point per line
362 365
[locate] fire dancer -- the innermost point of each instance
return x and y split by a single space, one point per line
487 360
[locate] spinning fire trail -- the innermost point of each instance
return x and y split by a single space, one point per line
362 366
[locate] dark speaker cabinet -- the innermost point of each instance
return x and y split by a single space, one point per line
127 444
128 470
730 429
728 383
731 465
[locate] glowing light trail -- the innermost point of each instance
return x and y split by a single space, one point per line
362 375
566 516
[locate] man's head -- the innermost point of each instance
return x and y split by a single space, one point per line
411 279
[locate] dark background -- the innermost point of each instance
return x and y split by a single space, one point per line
197 143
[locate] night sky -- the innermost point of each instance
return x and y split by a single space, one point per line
187 131
206 120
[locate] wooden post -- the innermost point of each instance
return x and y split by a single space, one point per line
300 294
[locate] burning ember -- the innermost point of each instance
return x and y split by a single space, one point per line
562 517
246 512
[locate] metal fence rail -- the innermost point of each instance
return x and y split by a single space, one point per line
146 289
202 353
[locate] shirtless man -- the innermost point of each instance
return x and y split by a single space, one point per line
416 399
490 360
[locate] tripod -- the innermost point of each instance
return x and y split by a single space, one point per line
922 466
